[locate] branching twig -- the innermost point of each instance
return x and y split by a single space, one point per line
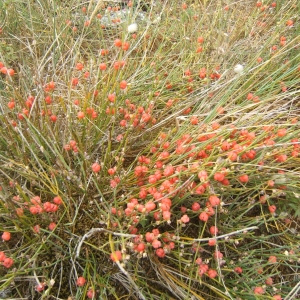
293 292
226 235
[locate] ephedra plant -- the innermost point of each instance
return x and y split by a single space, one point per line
149 150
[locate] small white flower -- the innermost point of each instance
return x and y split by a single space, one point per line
132 28
238 69
157 20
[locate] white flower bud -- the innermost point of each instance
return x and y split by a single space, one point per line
238 69
132 28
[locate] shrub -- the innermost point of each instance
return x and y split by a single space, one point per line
150 152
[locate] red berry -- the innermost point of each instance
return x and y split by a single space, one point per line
214 200
57 200
80 115
272 259
219 176
160 252
212 242
90 294
140 247
79 66
272 209
116 256
212 273
80 281
195 206
6 236
102 66
185 219
244 178
96 167
52 226
218 255
123 84
7 262
2 256
238 270
118 43
213 230
203 216
259 290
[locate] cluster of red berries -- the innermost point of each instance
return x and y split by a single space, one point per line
5 70
72 145
6 262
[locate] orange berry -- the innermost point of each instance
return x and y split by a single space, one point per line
7 262
214 200
80 115
111 97
52 226
87 23
103 52
272 209
96 167
57 200
212 242
244 178
79 66
200 39
281 158
75 81
80 281
281 132
250 96
212 273
184 6
53 118
118 43
11 104
125 46
219 176
272 259
123 84
3 70
194 120
238 270
259 290
160 252
116 256
203 216
6 236
102 66
10 72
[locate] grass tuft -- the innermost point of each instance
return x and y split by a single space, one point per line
157 164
